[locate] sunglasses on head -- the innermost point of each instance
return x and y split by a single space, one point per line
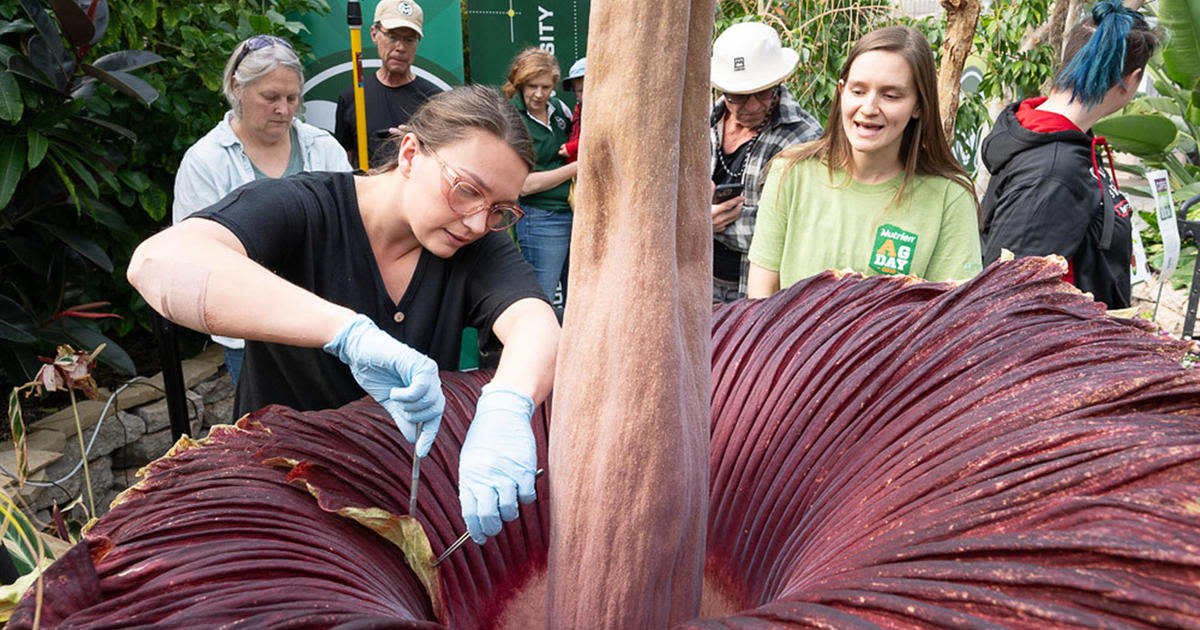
259 42
762 96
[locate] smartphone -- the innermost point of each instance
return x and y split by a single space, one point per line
725 192
383 134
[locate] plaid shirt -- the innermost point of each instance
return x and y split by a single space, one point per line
789 125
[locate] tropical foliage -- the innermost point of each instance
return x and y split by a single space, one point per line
822 31
78 187
62 165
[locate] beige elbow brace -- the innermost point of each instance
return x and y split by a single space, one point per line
181 289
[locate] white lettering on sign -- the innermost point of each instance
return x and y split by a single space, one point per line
545 30
900 236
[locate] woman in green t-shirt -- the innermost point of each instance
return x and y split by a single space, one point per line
545 232
879 192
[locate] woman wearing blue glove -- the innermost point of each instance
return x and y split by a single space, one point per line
346 284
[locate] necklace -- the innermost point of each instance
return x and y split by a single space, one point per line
749 146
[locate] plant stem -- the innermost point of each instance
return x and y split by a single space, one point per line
87 476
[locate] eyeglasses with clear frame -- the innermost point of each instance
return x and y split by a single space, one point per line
466 200
762 96
396 37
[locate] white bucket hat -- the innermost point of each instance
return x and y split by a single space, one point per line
748 57
577 70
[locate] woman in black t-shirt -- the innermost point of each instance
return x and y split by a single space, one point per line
382 272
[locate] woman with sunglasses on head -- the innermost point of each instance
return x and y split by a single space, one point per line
1050 192
880 192
545 234
259 138
755 118
343 284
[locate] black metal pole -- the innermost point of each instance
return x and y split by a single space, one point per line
172 371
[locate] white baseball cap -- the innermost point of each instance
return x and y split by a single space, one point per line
749 57
391 14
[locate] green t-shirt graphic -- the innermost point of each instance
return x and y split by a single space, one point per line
807 224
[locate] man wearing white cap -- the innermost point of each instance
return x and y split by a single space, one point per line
392 93
755 118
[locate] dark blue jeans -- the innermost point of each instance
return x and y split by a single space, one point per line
233 362
545 239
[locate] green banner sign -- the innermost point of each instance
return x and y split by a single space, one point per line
439 57
499 29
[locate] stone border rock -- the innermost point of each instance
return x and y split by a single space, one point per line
135 432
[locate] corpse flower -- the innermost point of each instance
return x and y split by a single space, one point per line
885 453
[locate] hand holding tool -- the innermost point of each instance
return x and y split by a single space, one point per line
467 534
498 460
401 379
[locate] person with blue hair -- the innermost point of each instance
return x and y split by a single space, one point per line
1050 192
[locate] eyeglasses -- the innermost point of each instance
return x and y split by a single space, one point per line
395 36
258 42
467 200
763 96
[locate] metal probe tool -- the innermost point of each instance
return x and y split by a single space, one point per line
465 535
416 476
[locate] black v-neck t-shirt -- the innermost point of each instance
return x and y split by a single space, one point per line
307 229
386 107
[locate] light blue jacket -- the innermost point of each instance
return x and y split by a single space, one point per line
216 165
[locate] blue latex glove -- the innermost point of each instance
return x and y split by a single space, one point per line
402 380
498 461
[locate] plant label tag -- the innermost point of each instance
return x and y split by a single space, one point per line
893 250
1138 271
1165 213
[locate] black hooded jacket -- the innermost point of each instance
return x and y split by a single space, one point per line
1050 194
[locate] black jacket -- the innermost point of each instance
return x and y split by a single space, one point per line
1050 194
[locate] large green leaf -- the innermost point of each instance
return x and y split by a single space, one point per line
15 324
105 215
124 82
110 126
15 26
5 53
19 65
147 12
1182 53
154 202
1187 192
10 331
11 106
51 38
37 147
86 247
99 18
41 55
85 337
136 180
75 22
82 173
126 60
1144 135
12 165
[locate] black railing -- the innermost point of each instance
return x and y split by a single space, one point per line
172 371
1190 229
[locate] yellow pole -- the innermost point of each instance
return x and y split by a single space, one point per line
354 19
